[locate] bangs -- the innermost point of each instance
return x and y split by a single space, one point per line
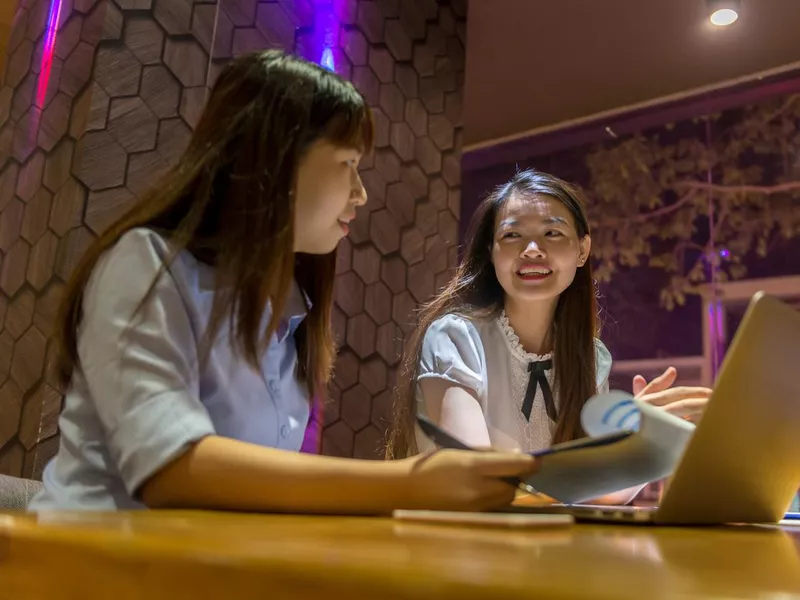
339 113
351 127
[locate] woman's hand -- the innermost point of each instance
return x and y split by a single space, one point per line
465 480
685 402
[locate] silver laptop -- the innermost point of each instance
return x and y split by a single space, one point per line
742 464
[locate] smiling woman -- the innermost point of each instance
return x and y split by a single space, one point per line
494 331
507 354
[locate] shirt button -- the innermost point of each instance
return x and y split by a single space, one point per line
284 431
273 386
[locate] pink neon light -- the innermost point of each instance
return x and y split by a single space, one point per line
48 51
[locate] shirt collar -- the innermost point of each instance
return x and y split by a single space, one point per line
296 309
297 305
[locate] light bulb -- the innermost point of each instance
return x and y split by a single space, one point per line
724 17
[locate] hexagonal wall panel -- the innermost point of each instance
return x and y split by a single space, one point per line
100 161
361 335
117 71
368 443
355 407
367 263
132 124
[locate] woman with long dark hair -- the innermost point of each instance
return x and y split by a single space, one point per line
195 330
507 353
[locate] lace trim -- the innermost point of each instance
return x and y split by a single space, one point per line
514 345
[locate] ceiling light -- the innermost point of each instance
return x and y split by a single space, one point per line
723 17
723 12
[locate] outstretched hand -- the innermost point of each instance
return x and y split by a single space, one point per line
682 401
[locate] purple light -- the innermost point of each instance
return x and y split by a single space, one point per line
716 334
724 253
327 60
322 43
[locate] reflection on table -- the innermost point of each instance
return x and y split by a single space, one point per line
157 555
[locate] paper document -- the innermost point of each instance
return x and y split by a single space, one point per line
650 454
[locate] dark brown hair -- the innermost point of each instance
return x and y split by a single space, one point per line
475 292
229 202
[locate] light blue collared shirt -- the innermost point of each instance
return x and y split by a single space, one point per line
138 404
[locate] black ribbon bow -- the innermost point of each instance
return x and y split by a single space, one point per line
537 377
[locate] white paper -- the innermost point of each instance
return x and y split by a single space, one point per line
650 454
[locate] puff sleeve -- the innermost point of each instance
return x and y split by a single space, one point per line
452 350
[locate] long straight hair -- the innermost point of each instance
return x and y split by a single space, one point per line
475 292
229 202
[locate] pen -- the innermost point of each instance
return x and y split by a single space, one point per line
445 440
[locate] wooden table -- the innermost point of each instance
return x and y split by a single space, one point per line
176 555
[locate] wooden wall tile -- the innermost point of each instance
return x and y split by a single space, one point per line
58 164
415 180
28 362
420 281
372 375
104 207
393 273
42 261
400 202
402 140
349 294
132 124
368 443
10 411
175 17
144 38
389 342
11 224
361 332
355 46
412 246
378 302
39 416
375 185
37 215
19 314
367 263
356 407
15 264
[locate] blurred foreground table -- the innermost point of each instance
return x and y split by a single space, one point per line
173 555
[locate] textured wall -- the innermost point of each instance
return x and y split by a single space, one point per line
125 82
84 129
409 63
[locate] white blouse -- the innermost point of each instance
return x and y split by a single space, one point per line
486 357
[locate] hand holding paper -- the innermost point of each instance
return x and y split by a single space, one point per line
650 454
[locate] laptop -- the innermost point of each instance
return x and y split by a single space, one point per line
742 464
